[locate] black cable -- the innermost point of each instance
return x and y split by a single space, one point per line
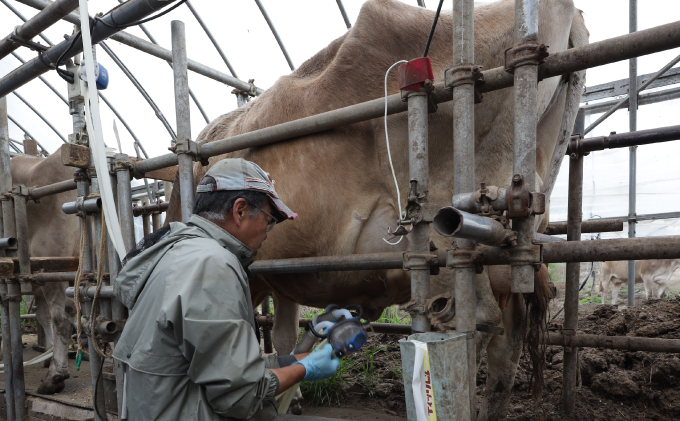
96 385
434 25
579 290
139 22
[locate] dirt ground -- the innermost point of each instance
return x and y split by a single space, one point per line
612 385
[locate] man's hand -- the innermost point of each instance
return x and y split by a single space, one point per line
320 365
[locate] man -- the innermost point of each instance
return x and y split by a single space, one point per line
190 342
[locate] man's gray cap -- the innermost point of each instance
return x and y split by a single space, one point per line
239 174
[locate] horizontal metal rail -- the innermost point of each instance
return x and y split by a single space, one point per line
51 189
393 328
158 51
35 25
597 54
125 14
620 87
623 140
624 343
643 99
55 277
596 225
150 209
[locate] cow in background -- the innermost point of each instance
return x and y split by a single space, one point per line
52 233
650 273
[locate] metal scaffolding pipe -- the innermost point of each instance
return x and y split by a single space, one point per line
624 343
28 104
575 215
525 124
420 180
469 201
632 168
151 209
451 222
624 140
596 54
344 14
8 231
185 168
87 206
596 225
6 243
127 223
126 14
276 34
43 80
23 18
54 277
160 52
34 26
643 99
464 181
52 189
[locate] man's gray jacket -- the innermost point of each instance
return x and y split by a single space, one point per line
190 342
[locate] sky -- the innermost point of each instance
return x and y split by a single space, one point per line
305 27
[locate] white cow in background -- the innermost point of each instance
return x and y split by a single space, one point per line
647 272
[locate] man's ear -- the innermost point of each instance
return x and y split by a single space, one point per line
239 211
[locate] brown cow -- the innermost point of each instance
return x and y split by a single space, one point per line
647 272
339 181
52 233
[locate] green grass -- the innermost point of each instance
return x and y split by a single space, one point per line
556 272
595 299
328 392
392 314
358 368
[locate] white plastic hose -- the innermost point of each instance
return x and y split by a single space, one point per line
96 136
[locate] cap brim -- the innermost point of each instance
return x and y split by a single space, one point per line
283 212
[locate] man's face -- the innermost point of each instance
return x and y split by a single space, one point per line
254 230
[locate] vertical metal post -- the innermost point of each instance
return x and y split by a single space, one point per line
419 178
155 221
267 330
574 217
14 296
127 224
146 226
464 180
118 310
632 176
186 162
8 229
524 145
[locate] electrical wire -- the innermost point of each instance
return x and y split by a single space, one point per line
139 22
389 154
434 25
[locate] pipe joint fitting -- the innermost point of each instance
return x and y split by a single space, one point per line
441 309
82 206
20 190
465 74
419 261
189 147
463 258
525 54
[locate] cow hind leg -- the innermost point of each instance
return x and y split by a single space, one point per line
661 289
285 331
616 287
55 302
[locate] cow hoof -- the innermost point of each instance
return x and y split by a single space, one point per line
50 388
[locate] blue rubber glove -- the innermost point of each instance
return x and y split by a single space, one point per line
319 365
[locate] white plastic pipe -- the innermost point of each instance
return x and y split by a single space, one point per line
95 133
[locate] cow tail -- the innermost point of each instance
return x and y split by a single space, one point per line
536 306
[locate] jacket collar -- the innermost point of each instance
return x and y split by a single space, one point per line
226 240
